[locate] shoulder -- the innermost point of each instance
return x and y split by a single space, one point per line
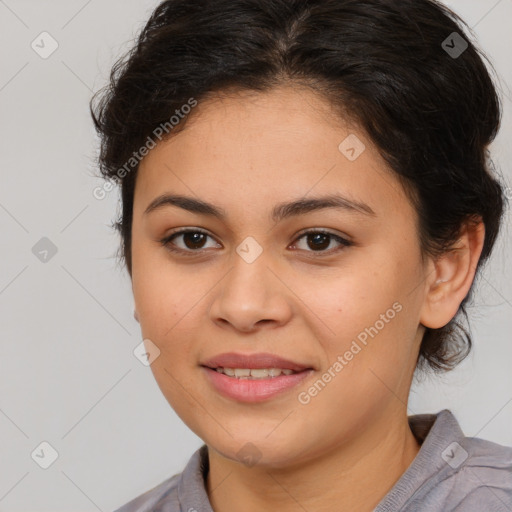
484 479
473 473
167 490
182 490
486 454
452 472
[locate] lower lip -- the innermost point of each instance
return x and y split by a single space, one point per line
254 390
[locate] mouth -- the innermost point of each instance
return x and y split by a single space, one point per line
237 365
254 373
254 378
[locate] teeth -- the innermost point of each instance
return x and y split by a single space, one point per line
259 373
254 373
242 372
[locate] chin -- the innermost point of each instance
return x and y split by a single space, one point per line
253 451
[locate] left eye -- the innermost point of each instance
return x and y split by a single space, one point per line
320 240
193 240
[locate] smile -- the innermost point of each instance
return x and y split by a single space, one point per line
254 384
255 373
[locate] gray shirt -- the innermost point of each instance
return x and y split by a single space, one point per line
450 473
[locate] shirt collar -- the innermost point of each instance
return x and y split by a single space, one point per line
438 435
191 489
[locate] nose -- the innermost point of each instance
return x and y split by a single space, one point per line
251 296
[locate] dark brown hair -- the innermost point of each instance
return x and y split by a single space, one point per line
422 94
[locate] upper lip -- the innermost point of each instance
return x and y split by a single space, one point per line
261 360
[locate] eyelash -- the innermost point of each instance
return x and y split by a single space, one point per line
166 242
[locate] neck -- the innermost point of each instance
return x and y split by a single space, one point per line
355 476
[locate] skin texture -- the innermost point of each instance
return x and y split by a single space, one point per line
245 153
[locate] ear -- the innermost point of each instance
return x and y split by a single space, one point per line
135 315
454 271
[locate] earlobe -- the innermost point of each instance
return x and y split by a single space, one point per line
453 276
135 315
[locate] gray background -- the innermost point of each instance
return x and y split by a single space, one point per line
68 375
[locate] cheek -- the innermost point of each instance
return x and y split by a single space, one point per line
351 299
170 301
162 294
370 313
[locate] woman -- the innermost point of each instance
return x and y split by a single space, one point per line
306 203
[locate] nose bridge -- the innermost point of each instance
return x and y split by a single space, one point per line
248 282
250 292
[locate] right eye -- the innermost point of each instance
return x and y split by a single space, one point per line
193 240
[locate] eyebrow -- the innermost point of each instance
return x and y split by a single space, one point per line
279 212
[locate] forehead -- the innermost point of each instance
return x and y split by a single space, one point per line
287 143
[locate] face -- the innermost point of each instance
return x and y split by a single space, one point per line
335 289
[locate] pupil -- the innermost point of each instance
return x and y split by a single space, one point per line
317 237
195 238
